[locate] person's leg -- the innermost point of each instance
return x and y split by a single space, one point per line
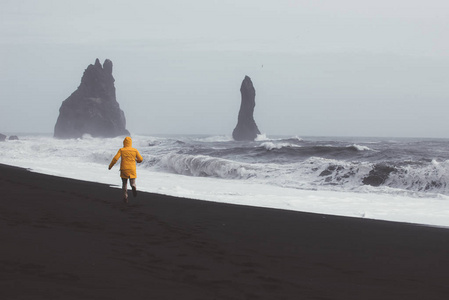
125 189
132 181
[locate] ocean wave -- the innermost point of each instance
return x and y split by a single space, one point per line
286 152
206 166
416 177
308 174
264 138
360 148
430 177
270 145
317 173
215 139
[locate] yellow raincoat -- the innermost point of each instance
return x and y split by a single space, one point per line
129 157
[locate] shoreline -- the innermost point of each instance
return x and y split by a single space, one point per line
70 239
370 206
275 186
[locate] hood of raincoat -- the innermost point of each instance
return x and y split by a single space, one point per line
127 142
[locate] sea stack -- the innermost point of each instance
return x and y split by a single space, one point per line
92 108
246 129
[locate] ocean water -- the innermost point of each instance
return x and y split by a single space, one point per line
396 179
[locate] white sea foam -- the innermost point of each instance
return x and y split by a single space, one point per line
218 138
262 137
433 177
229 181
270 145
361 148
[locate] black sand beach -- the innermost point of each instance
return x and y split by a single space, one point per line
68 239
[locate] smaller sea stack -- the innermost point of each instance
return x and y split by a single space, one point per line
246 129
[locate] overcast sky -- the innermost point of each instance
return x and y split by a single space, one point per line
319 67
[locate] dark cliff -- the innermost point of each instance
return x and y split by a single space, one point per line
92 108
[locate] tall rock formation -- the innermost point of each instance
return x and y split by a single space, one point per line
92 108
246 129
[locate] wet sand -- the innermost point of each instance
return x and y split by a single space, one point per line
69 239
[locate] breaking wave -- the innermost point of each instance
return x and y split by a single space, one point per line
206 166
319 173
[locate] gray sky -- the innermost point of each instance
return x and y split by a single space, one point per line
320 67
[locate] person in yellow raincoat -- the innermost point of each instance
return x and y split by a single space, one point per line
129 156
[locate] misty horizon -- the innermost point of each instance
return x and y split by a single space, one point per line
349 69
